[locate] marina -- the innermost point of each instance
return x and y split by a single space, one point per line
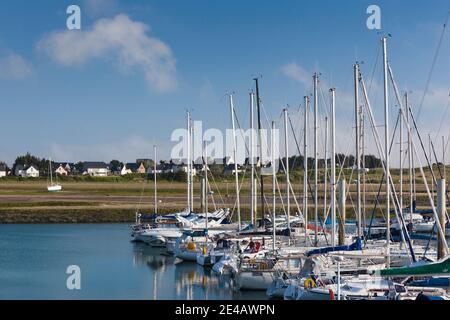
269 154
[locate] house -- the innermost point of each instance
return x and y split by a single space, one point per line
132 168
61 171
141 168
125 170
172 167
26 171
63 168
95 169
147 162
3 170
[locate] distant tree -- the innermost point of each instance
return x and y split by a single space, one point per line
31 160
115 165
4 165
79 166
372 162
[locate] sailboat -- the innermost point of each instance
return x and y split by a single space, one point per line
53 187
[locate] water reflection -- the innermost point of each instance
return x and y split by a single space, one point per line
185 280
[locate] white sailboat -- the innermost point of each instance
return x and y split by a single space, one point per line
54 186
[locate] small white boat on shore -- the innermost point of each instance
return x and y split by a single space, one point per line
53 186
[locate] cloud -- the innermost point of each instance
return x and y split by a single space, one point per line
13 66
297 73
121 38
99 7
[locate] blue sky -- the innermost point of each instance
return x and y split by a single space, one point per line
101 97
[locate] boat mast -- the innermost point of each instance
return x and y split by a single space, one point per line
50 169
358 151
191 163
154 179
305 163
386 151
236 174
410 167
325 177
401 161
286 150
316 202
205 148
251 161
363 169
263 209
188 168
333 166
274 181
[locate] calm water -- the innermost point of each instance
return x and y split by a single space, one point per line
34 258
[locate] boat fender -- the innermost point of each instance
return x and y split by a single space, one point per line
309 283
204 250
191 246
331 292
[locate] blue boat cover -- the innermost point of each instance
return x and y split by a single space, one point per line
354 246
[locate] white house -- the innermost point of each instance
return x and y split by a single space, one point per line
61 170
26 171
3 172
125 170
95 169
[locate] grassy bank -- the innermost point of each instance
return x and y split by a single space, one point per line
116 199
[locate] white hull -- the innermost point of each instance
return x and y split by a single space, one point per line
54 188
187 255
254 280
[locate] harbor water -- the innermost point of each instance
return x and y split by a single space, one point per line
34 260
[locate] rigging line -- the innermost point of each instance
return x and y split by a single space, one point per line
377 198
292 190
441 38
296 142
443 118
374 69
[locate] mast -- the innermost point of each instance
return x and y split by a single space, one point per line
205 146
410 166
386 151
154 179
50 169
274 181
251 160
325 177
236 174
305 163
286 150
316 202
333 166
188 116
443 158
358 150
192 164
363 166
401 161
263 209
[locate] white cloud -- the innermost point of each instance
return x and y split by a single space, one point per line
296 72
98 7
15 67
125 40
